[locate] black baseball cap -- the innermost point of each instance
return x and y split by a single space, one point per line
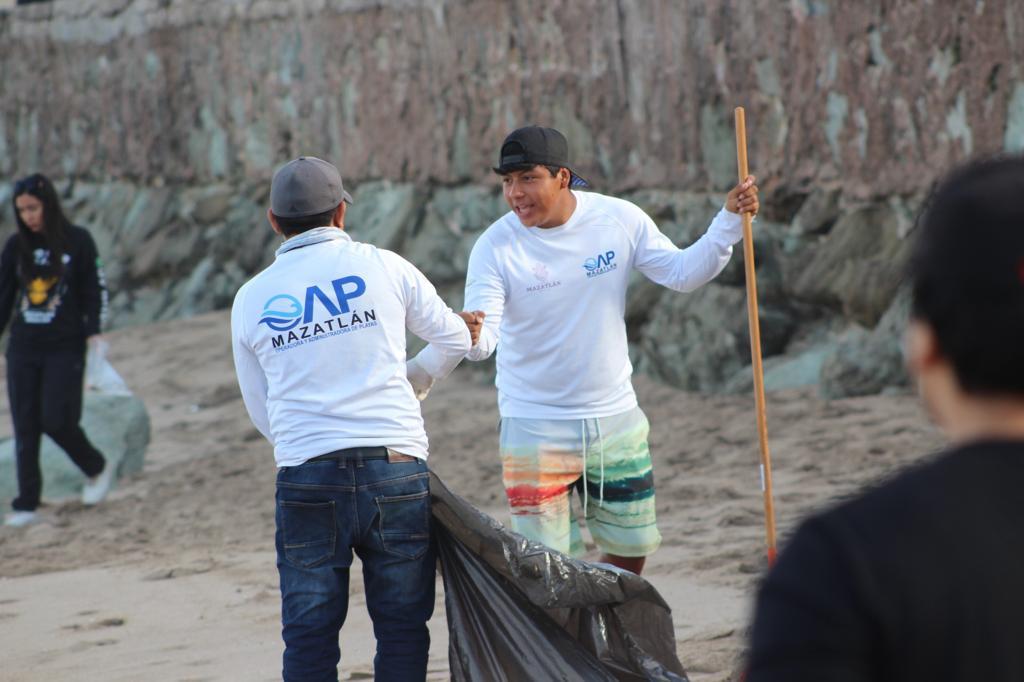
306 186
536 146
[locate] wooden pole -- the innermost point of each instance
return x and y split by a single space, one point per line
755 344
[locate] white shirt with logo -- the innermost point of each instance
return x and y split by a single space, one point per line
555 301
320 347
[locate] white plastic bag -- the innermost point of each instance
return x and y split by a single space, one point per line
100 376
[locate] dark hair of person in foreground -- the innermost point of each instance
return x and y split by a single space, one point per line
967 274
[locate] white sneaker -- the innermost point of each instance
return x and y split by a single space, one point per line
97 487
18 519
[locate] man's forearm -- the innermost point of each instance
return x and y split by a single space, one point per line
437 363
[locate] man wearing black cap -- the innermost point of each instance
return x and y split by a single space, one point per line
551 276
319 347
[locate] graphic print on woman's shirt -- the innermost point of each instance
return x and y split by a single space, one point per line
43 295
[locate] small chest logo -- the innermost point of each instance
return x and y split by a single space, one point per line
540 271
600 264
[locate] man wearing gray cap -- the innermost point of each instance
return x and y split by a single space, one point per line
319 347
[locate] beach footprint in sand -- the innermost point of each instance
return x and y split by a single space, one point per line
8 615
112 622
79 647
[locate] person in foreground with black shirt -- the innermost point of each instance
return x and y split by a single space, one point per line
922 578
52 281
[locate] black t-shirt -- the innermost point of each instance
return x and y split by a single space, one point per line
52 312
919 579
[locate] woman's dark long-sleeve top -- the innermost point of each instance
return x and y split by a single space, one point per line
49 313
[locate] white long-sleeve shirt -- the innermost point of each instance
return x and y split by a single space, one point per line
319 347
555 301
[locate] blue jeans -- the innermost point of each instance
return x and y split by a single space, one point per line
325 509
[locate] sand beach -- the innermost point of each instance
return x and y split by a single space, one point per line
173 577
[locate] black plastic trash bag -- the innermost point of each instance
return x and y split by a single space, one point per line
518 610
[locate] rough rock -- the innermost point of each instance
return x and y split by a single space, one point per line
863 363
453 220
245 238
212 204
871 94
858 265
138 306
117 425
698 341
383 213
818 213
800 369
211 286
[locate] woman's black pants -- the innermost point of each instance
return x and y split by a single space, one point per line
45 392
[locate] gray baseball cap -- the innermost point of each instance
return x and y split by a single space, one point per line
306 186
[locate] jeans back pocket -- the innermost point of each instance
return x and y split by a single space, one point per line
405 524
308 532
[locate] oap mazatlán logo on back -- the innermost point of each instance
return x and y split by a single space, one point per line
333 314
282 312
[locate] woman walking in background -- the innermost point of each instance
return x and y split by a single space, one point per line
51 280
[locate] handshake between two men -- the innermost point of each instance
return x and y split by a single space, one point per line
421 380
475 321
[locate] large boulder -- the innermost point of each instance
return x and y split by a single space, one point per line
795 369
118 425
211 285
863 362
699 341
453 219
857 266
138 306
384 213
176 246
818 213
211 204
245 237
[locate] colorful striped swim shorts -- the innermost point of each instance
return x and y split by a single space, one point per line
542 464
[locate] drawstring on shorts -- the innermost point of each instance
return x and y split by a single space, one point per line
584 421
600 445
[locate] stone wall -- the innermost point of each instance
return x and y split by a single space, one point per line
165 118
877 95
